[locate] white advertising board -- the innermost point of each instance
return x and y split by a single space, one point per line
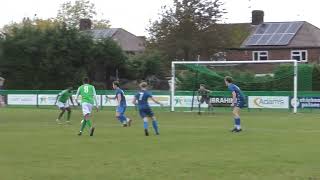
164 99
186 101
22 99
46 99
272 102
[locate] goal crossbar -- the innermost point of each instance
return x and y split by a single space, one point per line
295 78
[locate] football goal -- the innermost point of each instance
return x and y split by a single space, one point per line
266 84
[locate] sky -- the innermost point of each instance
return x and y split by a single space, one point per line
135 15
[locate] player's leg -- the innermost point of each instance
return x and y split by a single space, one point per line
145 121
120 115
154 121
237 122
90 121
155 125
68 109
210 107
86 110
62 111
128 120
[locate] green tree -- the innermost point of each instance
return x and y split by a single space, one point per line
187 29
106 58
149 63
37 56
71 13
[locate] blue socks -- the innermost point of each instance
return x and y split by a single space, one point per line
145 123
155 126
237 123
122 119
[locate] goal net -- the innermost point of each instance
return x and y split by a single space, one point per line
271 84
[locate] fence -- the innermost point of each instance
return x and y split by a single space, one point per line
183 99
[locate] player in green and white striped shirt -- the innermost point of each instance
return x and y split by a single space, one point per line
63 103
88 99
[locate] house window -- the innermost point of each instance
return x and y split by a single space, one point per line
259 55
299 55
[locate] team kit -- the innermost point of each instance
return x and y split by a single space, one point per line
141 101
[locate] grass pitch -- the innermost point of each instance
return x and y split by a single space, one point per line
273 145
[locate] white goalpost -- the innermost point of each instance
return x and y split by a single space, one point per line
295 78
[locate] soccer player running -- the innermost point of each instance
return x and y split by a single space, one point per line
141 99
63 104
88 98
203 96
238 101
122 105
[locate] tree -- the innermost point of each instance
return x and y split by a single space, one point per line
101 24
37 56
106 57
149 63
71 13
187 29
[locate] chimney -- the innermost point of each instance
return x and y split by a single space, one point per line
85 24
257 17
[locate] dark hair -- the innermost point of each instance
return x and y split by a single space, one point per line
143 85
117 83
228 79
202 85
85 80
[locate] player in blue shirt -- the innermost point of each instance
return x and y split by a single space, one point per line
122 105
141 99
238 102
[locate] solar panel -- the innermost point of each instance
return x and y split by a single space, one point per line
253 39
264 39
294 27
272 28
283 28
274 39
274 34
285 39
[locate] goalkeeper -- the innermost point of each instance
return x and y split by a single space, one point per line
203 97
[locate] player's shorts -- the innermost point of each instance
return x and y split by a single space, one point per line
63 105
121 109
146 113
205 99
239 104
86 108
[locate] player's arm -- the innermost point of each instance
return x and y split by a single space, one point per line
77 96
111 97
57 98
119 99
71 100
95 98
134 100
234 98
155 101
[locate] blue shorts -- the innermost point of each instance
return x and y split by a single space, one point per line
239 104
121 109
146 113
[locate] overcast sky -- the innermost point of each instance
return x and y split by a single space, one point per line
134 15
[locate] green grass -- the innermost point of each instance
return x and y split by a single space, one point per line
274 145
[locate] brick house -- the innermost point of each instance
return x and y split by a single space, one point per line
298 40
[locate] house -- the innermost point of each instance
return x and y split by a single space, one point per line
130 43
298 40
